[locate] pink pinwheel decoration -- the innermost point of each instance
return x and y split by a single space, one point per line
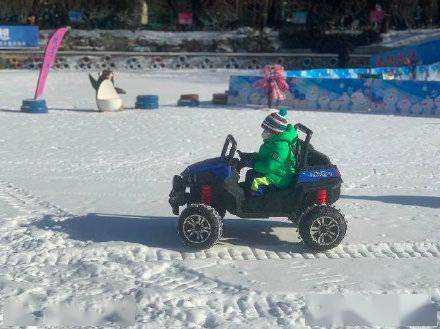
274 83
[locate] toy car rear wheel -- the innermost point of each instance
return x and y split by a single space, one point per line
322 227
200 226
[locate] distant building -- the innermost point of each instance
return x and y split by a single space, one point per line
215 15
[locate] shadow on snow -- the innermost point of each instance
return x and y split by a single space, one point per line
405 200
161 232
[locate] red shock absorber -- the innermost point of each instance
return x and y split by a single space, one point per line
206 194
321 197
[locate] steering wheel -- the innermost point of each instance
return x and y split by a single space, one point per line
231 144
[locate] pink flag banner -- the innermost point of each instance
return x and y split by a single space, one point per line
50 53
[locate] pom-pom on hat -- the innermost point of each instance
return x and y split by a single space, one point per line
276 123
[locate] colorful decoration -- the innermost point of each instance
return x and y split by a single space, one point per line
425 53
274 84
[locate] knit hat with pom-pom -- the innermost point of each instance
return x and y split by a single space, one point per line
276 123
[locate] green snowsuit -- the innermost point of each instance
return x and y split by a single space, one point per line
275 159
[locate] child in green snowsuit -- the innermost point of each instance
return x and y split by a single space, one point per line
274 165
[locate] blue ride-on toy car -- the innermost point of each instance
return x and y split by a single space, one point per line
210 188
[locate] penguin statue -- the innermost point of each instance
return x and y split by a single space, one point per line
107 98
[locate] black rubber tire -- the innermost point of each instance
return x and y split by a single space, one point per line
309 217
221 212
211 216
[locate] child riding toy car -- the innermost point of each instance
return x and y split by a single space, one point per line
210 188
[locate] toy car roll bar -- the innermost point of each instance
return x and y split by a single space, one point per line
305 145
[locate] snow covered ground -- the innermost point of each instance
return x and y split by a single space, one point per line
84 217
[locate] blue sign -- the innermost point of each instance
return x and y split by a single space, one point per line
422 54
19 37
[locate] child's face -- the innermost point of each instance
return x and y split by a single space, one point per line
266 135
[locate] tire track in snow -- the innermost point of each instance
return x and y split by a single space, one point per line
27 202
230 302
187 290
136 253
397 251
394 250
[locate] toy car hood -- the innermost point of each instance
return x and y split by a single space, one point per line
217 166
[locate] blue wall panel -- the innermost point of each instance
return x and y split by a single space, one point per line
360 95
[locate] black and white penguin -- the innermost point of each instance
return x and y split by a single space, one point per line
107 98
105 75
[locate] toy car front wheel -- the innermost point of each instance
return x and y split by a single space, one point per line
322 227
200 226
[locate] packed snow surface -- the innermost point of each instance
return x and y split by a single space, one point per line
84 217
